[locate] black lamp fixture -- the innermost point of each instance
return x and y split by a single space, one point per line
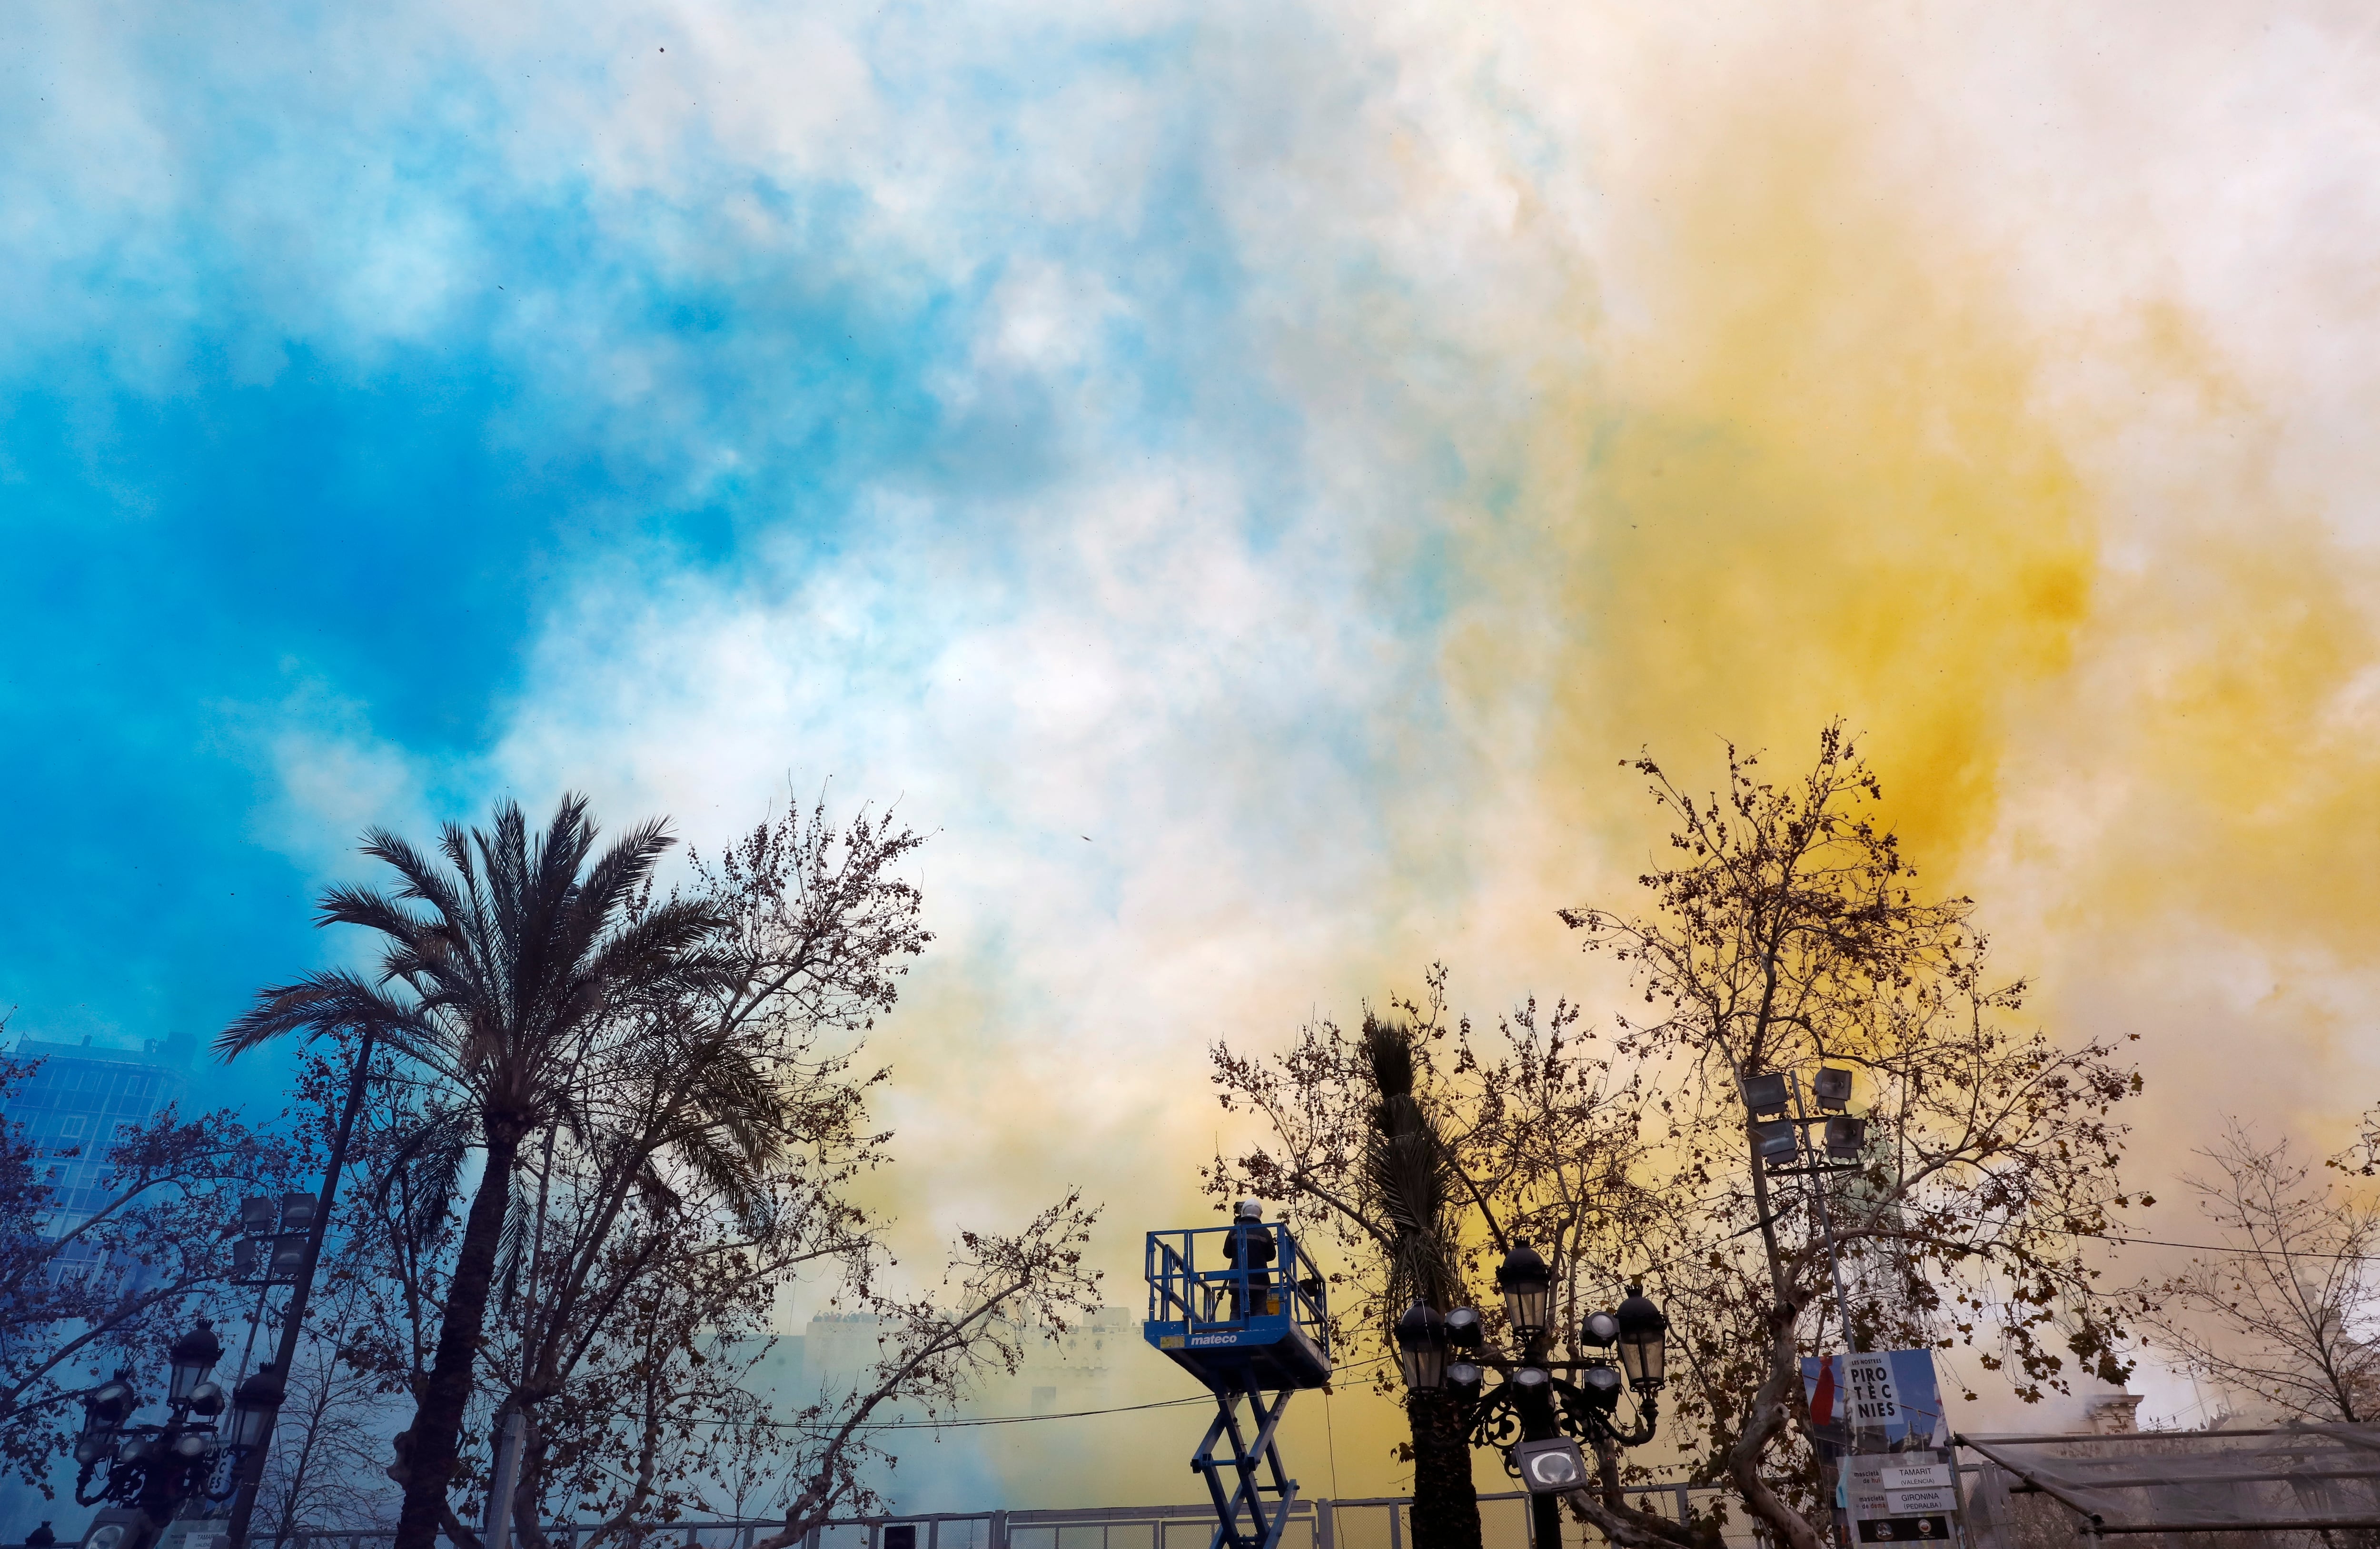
1598 1331
1421 1346
1601 1386
1767 1093
1832 1089
107 1407
1846 1138
190 1360
1777 1142
1528 1285
1643 1341
253 1405
1463 1330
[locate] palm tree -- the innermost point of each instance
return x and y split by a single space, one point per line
510 958
1410 1176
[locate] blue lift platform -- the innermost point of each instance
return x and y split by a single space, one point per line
1246 1322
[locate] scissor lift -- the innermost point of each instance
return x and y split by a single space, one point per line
1245 1330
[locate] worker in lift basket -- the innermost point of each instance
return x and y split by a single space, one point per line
1249 1246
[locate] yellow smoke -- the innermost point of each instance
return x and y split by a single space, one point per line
1814 487
2121 680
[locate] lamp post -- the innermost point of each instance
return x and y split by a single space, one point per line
304 1220
148 1473
1541 1408
1781 1143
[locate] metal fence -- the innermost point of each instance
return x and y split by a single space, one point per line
1375 1522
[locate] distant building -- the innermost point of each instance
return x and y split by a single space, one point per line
82 1099
2113 1414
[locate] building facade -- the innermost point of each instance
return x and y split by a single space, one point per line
80 1100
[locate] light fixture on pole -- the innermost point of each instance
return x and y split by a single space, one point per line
1421 1346
1602 1387
1831 1090
1643 1341
253 1404
190 1358
1767 1094
1528 1285
1778 1142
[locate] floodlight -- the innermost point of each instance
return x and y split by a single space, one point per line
1831 1090
1767 1093
1552 1467
1601 1385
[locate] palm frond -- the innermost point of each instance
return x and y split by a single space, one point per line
319 1003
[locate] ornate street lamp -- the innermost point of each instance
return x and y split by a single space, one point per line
1421 1346
192 1356
1528 1287
1537 1417
1643 1342
253 1405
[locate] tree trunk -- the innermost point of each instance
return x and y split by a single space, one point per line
1445 1506
1770 1409
438 1418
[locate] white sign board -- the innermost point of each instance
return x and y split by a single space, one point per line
1918 1476
1870 1399
1919 1503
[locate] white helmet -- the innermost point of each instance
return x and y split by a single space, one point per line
1249 1210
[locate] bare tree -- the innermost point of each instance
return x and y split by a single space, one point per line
699 1136
1787 930
332 1439
702 1159
107 1279
1533 1136
2287 1312
998 1292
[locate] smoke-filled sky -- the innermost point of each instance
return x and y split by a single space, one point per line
1243 475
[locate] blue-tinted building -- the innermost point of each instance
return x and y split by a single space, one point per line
82 1099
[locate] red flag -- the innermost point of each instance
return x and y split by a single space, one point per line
1822 1403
